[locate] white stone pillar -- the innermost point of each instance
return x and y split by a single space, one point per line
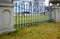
56 13
6 17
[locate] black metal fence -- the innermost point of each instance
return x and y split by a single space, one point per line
29 18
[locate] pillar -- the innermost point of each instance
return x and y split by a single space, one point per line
6 16
56 14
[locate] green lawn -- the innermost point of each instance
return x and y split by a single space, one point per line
30 18
42 31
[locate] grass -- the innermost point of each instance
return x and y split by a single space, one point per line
42 31
30 18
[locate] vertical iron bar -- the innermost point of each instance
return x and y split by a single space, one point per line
16 16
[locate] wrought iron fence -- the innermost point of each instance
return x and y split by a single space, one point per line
28 18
